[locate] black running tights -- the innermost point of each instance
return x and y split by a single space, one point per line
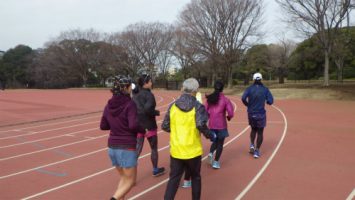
260 138
218 145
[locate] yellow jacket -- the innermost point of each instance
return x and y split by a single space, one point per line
185 139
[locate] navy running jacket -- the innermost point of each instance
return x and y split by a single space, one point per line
255 97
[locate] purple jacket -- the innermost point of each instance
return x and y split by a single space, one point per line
120 117
217 113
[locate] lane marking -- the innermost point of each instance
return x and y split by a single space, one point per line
42 150
33 133
51 173
167 179
84 178
58 162
49 124
44 139
253 181
352 195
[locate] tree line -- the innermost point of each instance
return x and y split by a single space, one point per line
212 39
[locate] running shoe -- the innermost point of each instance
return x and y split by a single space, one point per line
251 149
158 171
210 158
256 153
186 184
216 165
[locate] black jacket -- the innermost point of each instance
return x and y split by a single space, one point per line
146 104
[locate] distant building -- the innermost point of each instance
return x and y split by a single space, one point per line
2 53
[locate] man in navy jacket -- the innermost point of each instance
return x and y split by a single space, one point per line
254 98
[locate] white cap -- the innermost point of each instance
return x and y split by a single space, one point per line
257 76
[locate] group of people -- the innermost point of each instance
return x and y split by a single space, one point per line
131 113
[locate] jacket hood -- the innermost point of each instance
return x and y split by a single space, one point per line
186 102
117 104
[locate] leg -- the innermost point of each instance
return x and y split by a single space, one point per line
187 173
260 138
219 145
253 135
153 142
213 147
139 147
128 179
176 169
195 168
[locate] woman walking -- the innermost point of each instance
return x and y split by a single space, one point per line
147 113
120 117
217 107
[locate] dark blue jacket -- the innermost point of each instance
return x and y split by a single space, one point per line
255 96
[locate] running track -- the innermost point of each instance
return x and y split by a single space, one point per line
307 151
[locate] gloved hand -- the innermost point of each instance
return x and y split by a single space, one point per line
213 136
229 118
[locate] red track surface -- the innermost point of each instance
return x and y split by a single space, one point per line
307 151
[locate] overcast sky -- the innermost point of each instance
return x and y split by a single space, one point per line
34 22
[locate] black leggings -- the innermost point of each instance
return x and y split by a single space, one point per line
260 138
153 142
217 145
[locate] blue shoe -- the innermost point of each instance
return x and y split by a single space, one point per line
216 165
256 153
210 158
158 171
251 149
186 184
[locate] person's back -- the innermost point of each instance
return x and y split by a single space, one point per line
254 98
217 112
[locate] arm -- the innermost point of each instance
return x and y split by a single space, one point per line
149 106
269 97
166 122
104 125
245 96
133 119
201 120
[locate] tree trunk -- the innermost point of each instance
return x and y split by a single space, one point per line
230 77
326 68
340 62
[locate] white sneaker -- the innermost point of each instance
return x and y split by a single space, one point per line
186 184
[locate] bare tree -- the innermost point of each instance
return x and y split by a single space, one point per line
279 55
221 30
145 42
320 17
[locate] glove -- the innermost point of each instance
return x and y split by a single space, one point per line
229 118
213 137
157 113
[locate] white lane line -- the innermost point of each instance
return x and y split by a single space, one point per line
33 133
19 129
51 164
352 195
253 181
84 178
49 124
204 158
49 138
42 150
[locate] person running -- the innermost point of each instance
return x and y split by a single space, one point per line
187 176
145 101
185 119
120 117
217 107
254 98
